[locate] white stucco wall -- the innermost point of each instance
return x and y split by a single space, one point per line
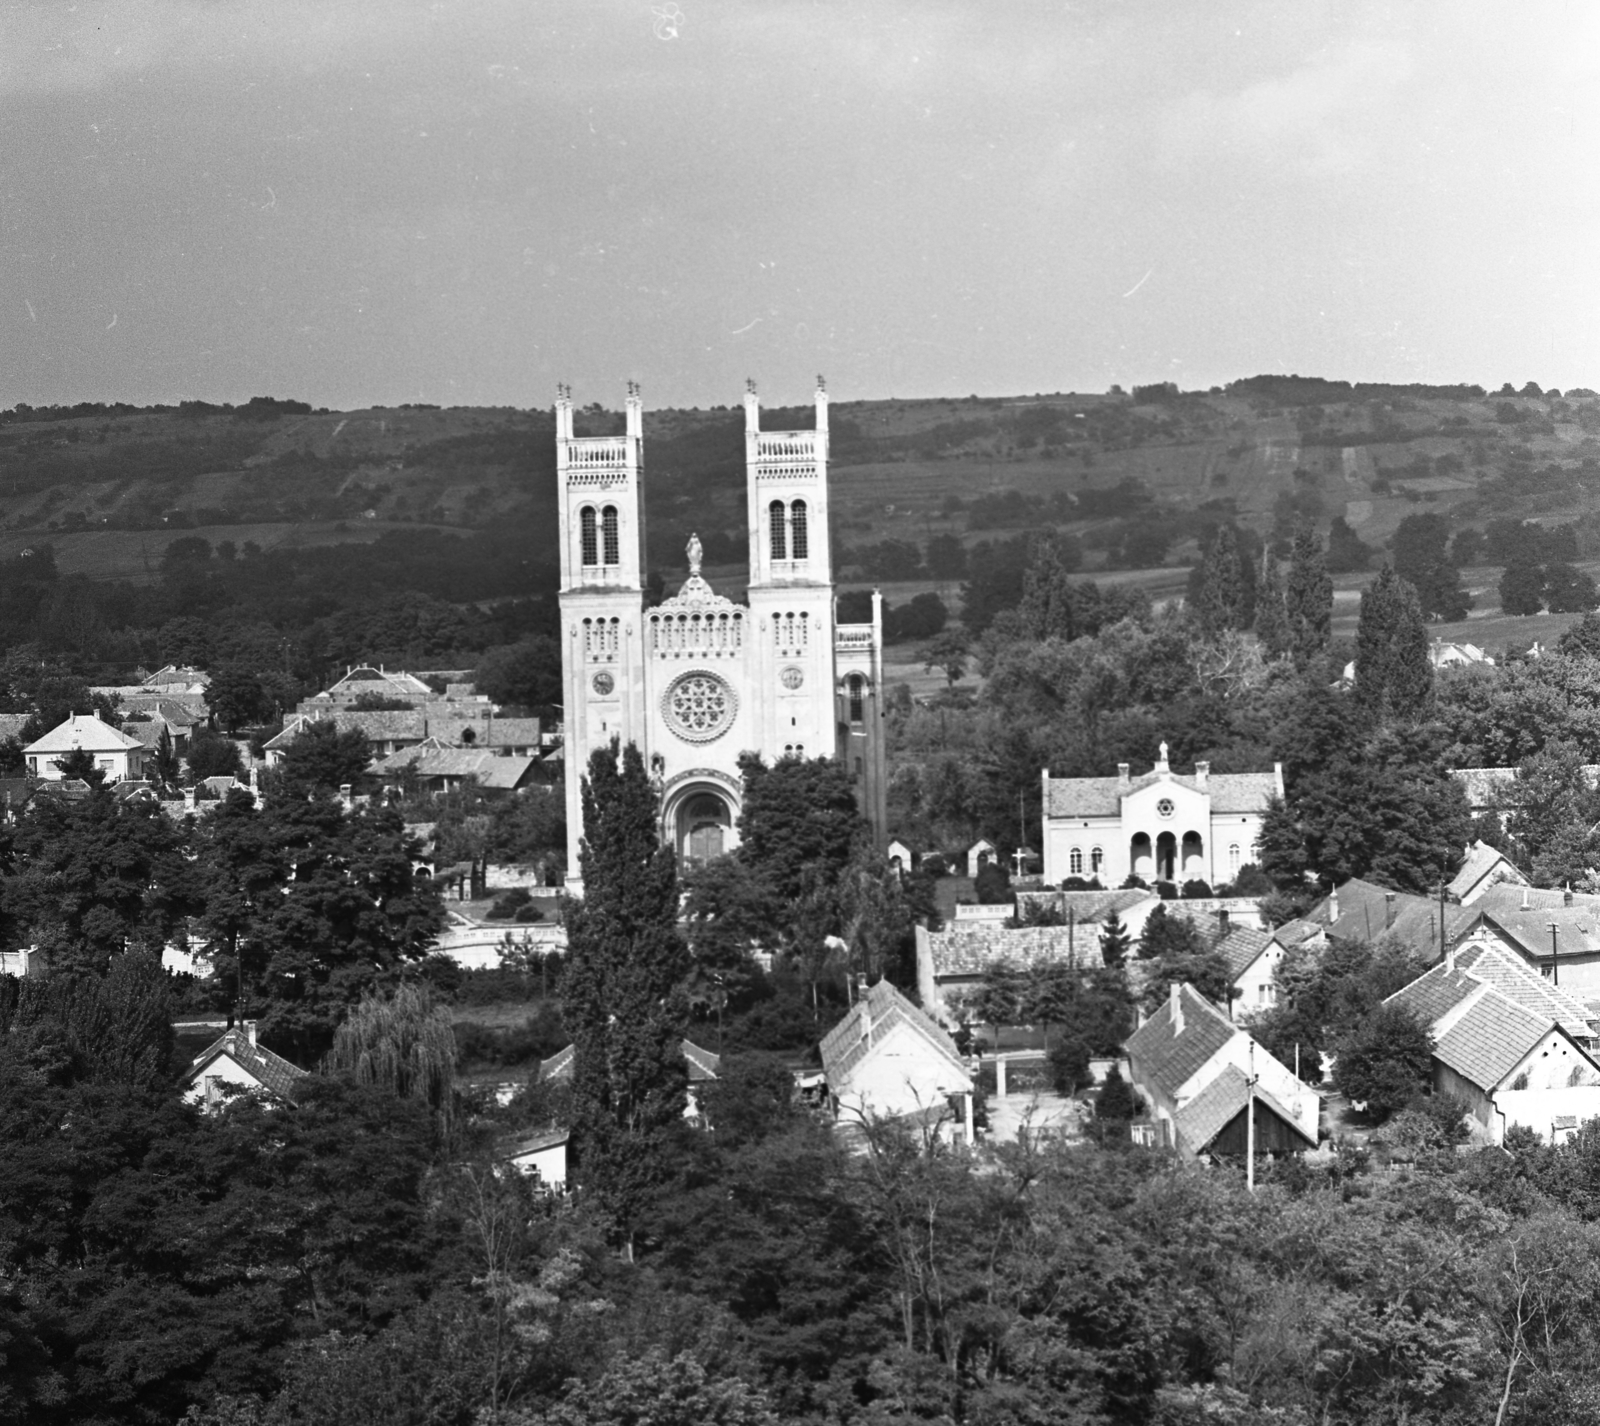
900 1075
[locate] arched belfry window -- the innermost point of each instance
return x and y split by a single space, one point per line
590 553
780 542
608 523
856 687
799 542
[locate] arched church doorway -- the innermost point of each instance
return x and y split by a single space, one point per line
704 823
1141 862
1194 857
1166 857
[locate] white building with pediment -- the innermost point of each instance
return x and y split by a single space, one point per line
699 679
1161 826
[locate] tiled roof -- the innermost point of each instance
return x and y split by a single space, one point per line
1513 976
381 726
1364 909
1241 948
276 1074
850 1041
1169 1060
174 674
491 769
366 679
1506 900
1490 1039
703 1065
1207 923
85 731
1435 993
1481 860
1298 931
971 949
1085 907
515 1146
181 710
1219 1103
1102 796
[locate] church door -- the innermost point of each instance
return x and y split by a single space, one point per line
705 842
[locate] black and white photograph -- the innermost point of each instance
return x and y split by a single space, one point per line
799 713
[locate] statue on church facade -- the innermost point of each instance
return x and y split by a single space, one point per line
695 554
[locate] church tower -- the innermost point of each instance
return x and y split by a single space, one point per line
600 481
791 582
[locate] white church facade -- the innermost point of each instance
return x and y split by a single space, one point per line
699 680
1161 826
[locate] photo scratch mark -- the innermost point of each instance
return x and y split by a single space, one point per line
744 328
34 316
668 18
112 322
1140 283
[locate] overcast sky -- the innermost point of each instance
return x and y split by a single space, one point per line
464 201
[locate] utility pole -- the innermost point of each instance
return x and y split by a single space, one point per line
1555 964
1250 1123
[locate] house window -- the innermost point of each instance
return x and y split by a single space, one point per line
1097 859
798 539
1233 858
589 541
857 688
608 521
780 540
1075 861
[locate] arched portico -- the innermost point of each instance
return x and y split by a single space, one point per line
699 820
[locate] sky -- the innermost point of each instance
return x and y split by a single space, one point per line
466 201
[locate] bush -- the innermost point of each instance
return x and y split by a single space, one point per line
1196 890
1118 1101
1069 1064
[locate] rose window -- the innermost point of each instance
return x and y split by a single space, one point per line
1164 808
699 707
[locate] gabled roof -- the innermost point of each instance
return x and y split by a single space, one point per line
366 679
1234 792
880 1010
175 674
1242 947
83 730
1505 899
1168 1057
1446 987
1364 908
1298 931
515 1146
1481 862
274 1073
492 770
381 725
1217 1105
1086 907
1492 1037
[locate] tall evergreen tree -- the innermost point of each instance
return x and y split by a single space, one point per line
1272 616
1393 675
1308 599
1222 598
622 995
1114 940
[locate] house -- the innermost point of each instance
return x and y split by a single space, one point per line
1483 867
1514 1048
446 769
900 859
1444 654
237 1062
1555 932
1200 1074
147 723
541 1154
1363 911
889 1059
1253 957
364 680
178 679
1159 826
115 754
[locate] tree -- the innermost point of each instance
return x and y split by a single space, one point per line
79 765
323 758
236 696
524 675
1569 590
211 755
1118 1101
1346 552
946 557
1222 594
164 766
661 1392
1582 640
1385 1062
1522 589
403 1043
799 823
1308 600
1272 618
1114 940
948 652
1393 675
622 992
1422 559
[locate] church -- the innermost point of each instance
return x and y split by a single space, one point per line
1160 826
699 679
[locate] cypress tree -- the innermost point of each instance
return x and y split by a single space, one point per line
1221 583
622 993
1114 940
1393 675
1308 600
1272 618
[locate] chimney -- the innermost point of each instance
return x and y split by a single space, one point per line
1524 898
1333 905
1223 920
96 712
1388 909
1450 958
344 796
1124 782
1202 772
1566 897
1175 999
188 799
250 1030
